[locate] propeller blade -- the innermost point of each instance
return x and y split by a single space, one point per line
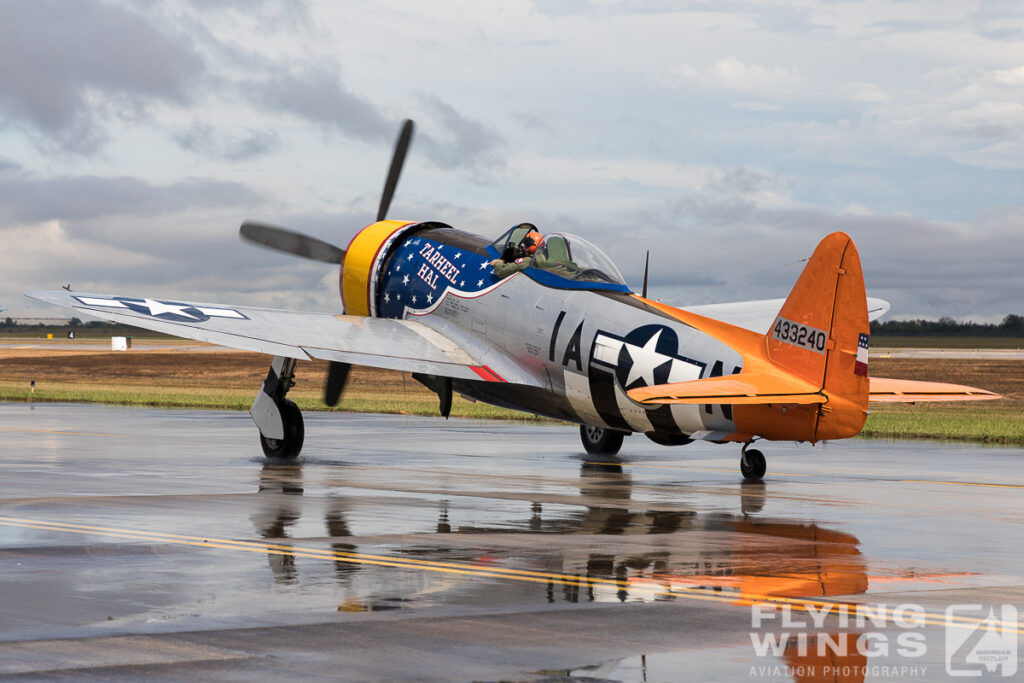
647 262
290 242
397 160
337 375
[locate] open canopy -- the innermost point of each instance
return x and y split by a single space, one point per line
566 260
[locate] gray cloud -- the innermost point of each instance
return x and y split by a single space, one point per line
318 95
53 55
924 268
743 180
226 145
461 144
271 14
454 142
25 198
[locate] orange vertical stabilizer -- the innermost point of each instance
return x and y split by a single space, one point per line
820 331
806 378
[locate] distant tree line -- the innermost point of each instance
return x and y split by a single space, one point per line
93 328
1011 326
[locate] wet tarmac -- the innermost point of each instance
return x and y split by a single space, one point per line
158 543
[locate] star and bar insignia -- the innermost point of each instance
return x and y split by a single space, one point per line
166 310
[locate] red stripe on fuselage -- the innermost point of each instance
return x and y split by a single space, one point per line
486 373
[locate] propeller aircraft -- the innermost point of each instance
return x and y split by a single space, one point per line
561 336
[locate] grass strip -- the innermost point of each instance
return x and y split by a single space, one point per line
220 399
952 422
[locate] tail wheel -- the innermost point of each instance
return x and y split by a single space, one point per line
599 441
753 465
294 432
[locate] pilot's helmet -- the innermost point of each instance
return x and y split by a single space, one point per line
531 241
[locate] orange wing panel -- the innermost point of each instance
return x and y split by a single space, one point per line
883 390
744 388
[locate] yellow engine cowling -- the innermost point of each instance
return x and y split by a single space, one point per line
360 269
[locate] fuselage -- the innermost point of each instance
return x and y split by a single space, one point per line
583 344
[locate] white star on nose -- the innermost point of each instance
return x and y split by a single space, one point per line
157 307
645 360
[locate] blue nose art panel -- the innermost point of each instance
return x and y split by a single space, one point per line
422 271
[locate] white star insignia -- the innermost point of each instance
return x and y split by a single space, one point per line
430 298
398 297
480 283
398 268
405 279
414 298
645 360
462 283
387 298
484 265
409 258
458 254
158 307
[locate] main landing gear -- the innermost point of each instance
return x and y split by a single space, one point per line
278 419
600 441
752 464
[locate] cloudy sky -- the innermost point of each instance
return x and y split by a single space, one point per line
726 137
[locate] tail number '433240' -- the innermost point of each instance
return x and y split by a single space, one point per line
799 335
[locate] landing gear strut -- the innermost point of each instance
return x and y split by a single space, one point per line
752 464
278 419
600 441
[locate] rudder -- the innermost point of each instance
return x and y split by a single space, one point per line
821 328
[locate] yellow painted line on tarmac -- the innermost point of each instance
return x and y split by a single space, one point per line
60 431
961 483
491 572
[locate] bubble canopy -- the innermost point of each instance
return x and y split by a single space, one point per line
569 261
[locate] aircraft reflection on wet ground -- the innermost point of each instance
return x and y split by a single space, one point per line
766 557
433 554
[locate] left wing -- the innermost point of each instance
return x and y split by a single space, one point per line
406 345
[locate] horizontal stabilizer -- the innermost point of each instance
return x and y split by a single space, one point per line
747 388
883 390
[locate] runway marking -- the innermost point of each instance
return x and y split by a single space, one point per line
60 431
961 483
480 571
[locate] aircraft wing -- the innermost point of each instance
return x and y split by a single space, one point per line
883 390
754 388
759 316
405 345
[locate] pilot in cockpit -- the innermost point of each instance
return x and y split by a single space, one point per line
517 254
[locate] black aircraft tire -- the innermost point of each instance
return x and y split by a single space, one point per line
598 441
289 447
753 465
